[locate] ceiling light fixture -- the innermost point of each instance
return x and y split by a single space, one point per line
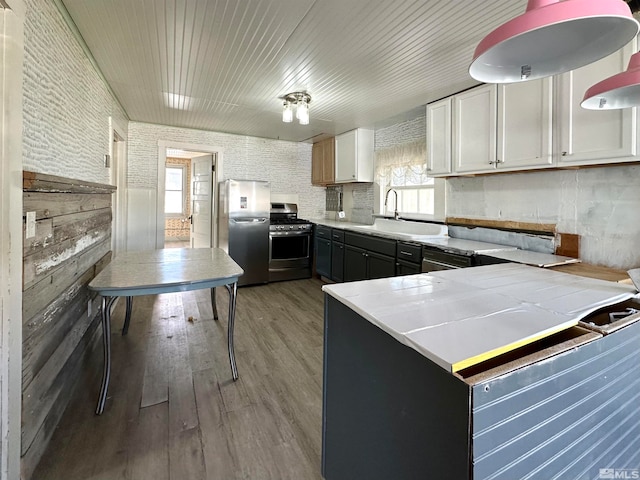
553 37
301 100
619 91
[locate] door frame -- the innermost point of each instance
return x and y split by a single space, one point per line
218 154
118 177
11 206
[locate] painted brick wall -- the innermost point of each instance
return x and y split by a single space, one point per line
403 133
599 204
287 165
66 104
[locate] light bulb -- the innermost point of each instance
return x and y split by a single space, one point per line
287 113
302 113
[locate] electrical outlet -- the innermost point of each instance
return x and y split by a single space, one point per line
89 308
31 224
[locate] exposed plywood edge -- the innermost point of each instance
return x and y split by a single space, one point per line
548 228
593 271
41 182
582 337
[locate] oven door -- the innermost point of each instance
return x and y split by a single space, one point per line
289 249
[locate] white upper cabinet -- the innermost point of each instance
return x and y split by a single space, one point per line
594 136
439 137
354 156
525 125
474 130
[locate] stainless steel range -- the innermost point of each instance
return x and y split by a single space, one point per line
289 243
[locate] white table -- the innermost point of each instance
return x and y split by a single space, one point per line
163 271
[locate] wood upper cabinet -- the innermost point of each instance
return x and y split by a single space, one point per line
354 156
525 125
439 137
323 162
592 136
474 130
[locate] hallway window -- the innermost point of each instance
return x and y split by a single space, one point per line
175 182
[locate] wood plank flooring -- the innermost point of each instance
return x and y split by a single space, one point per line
173 411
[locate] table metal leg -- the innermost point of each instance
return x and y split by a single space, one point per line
127 317
214 306
233 291
107 303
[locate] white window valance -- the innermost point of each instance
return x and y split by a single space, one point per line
403 165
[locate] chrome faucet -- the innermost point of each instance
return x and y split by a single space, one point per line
386 200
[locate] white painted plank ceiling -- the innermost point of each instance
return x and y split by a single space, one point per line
222 65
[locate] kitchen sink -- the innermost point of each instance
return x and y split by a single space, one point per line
405 229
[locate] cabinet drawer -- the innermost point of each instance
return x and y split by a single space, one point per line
409 252
371 243
337 235
323 232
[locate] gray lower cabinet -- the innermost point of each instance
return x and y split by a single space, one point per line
407 268
323 250
337 261
409 257
564 407
368 257
355 264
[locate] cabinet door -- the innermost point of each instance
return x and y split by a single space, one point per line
355 264
328 161
346 157
525 125
591 136
474 130
317 163
337 261
323 257
380 266
439 137
407 268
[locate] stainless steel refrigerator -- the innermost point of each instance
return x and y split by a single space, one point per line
244 227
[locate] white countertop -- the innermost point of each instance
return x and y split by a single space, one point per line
466 247
456 245
533 258
458 318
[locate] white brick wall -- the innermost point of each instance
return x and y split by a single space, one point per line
599 204
403 133
66 103
287 165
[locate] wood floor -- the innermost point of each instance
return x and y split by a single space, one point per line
173 411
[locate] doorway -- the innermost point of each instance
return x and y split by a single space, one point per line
187 197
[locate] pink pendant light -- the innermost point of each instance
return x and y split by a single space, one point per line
620 91
553 37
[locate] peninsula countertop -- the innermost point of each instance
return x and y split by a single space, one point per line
458 318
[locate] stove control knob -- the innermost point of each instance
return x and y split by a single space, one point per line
291 227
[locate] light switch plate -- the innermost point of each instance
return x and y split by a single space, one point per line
31 224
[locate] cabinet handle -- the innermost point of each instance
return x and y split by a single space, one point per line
495 162
406 253
564 154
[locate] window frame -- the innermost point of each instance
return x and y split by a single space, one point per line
183 191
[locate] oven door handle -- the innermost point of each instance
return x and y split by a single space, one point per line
289 233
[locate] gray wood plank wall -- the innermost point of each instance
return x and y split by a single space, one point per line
71 245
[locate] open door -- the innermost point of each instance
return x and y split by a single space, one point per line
202 185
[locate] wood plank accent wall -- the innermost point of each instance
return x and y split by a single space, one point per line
72 243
